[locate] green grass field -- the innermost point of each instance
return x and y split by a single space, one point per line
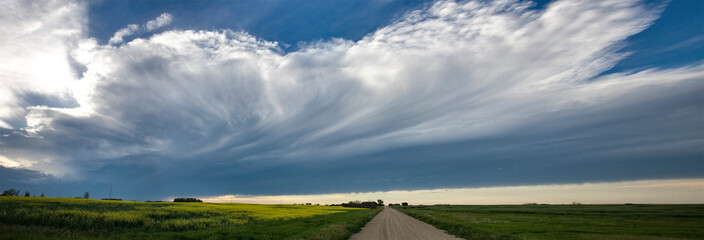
66 218
648 222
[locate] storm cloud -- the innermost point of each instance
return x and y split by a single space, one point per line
455 94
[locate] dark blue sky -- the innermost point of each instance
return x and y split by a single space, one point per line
287 22
174 98
673 40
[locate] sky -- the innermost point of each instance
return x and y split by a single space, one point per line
474 102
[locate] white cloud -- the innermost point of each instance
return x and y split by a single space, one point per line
163 20
452 72
122 33
119 36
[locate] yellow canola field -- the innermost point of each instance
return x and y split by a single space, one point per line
100 214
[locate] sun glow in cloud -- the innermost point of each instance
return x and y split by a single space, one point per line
455 94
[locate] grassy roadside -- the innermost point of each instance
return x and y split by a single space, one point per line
638 221
452 226
55 218
342 227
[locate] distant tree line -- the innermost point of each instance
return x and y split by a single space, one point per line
11 192
360 204
187 200
396 204
15 193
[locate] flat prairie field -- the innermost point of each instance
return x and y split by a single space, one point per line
631 221
67 218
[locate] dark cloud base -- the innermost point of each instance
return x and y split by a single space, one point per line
404 169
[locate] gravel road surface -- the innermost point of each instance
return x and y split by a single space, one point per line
392 224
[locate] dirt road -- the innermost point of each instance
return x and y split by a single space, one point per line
392 224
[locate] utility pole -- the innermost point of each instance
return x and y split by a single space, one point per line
110 191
